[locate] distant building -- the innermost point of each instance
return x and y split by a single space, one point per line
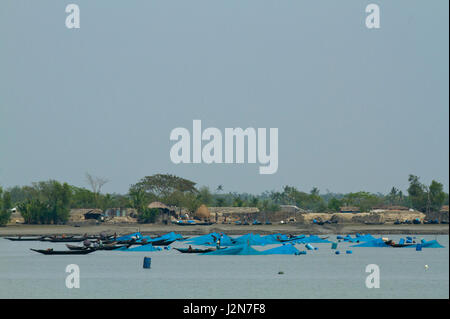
94 215
166 212
16 217
83 214
110 214
161 206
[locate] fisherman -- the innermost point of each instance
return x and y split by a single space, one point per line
86 243
218 244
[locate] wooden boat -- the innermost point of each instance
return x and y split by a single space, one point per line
24 239
393 244
194 250
72 247
162 242
186 224
63 252
64 240
104 247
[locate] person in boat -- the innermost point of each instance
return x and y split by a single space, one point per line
115 236
86 243
218 244
63 236
190 248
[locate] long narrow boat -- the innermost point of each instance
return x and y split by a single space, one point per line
194 250
392 244
104 247
63 252
25 238
161 242
64 240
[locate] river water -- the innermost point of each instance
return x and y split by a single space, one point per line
319 274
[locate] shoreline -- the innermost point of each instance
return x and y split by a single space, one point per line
157 229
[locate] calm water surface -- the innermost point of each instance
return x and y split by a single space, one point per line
319 274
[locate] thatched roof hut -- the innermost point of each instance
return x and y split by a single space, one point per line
16 218
78 214
158 205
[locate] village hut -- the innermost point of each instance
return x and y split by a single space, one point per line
166 212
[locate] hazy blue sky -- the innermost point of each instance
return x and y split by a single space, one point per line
357 109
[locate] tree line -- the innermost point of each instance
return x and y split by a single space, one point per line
49 202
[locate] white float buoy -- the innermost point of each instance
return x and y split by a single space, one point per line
426 267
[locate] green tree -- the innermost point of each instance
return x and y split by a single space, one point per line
417 193
5 207
205 196
34 211
364 200
83 198
254 202
334 204
137 198
96 184
436 196
163 185
191 202
50 203
148 215
220 201
238 202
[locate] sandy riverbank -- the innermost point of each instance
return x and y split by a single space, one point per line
295 229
